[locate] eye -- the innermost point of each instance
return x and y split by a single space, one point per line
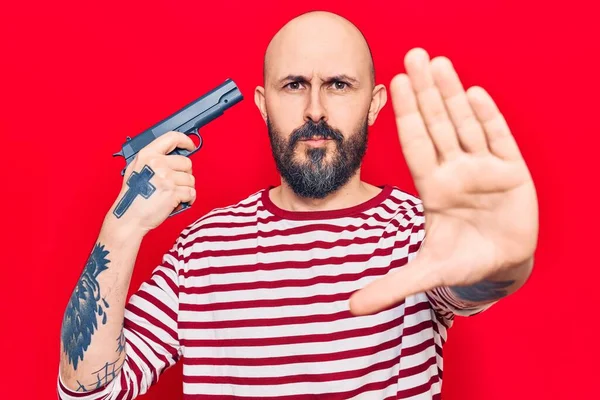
340 85
293 85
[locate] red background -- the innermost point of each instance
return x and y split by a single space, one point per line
77 78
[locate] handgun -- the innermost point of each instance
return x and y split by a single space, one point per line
187 120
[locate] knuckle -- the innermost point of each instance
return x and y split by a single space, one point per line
163 174
168 185
467 123
179 135
154 163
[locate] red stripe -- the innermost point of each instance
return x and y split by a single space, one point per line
411 330
292 320
286 283
372 386
311 358
168 279
257 322
321 227
155 302
135 368
411 351
406 393
417 369
203 225
240 208
281 302
295 359
297 378
153 322
290 264
300 301
311 338
278 248
145 335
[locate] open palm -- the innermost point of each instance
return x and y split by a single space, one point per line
481 212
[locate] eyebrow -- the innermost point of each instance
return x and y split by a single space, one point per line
303 79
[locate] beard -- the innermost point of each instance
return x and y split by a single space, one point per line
316 177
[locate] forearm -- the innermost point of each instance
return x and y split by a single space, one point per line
496 286
92 341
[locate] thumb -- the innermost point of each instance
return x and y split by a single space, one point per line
416 276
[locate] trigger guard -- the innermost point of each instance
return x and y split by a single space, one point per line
196 133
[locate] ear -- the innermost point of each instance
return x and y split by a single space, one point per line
259 100
378 100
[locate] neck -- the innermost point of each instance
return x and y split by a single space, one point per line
352 193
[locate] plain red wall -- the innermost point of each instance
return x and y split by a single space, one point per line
77 78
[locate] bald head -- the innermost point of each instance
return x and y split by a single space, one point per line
317 41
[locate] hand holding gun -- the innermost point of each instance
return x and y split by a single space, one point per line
187 121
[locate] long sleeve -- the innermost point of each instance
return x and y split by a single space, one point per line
151 338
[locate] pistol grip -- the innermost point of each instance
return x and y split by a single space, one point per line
184 206
187 153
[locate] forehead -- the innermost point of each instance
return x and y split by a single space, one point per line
322 52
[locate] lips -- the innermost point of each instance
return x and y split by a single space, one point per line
315 138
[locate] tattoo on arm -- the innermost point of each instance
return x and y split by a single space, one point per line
103 376
85 306
121 341
482 291
139 184
108 372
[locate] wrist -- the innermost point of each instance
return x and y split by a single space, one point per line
121 231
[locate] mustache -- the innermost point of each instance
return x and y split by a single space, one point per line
310 129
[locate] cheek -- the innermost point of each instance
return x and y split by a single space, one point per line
285 113
346 113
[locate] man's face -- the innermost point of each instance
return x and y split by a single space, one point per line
317 95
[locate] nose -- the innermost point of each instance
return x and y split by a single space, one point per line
315 109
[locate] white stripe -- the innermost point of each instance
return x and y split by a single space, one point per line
281 350
427 395
377 394
422 378
293 369
151 310
374 233
292 330
293 388
291 255
281 292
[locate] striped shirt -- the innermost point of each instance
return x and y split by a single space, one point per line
253 300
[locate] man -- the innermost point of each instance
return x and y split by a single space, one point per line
313 289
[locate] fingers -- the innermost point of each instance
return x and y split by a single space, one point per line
417 147
414 277
168 142
431 104
469 130
499 138
178 163
185 194
183 179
